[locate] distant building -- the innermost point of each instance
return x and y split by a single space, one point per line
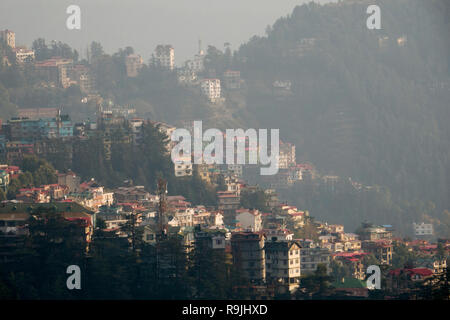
232 79
381 249
82 75
8 37
249 220
38 113
249 255
372 232
165 56
286 155
423 229
29 130
228 202
197 64
70 180
311 256
55 70
283 264
211 89
16 150
133 63
23 54
210 239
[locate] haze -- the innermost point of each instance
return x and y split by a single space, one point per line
144 24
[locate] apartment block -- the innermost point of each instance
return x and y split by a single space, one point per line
165 57
133 63
249 255
211 89
8 37
283 264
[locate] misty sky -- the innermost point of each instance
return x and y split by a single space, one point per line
143 24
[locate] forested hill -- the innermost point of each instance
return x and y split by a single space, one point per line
370 104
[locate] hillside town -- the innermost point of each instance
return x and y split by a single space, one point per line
271 243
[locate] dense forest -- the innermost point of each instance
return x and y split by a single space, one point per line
362 104
372 105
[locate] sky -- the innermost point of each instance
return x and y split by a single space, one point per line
143 24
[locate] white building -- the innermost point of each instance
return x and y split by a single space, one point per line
165 56
9 37
197 64
283 264
211 89
23 54
249 220
423 229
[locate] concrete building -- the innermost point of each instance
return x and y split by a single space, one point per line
70 180
381 249
313 255
249 220
55 70
133 63
165 57
82 75
23 55
423 229
209 239
8 37
249 255
283 264
228 203
197 64
368 231
25 129
286 155
232 79
211 89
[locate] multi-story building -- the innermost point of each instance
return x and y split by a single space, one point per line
381 249
70 180
232 79
283 264
211 89
83 76
23 54
423 229
228 203
354 262
133 63
16 150
249 255
197 64
209 239
25 129
233 184
286 155
313 255
8 37
55 70
249 220
369 231
165 56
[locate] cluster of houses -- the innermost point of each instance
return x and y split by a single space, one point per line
263 245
